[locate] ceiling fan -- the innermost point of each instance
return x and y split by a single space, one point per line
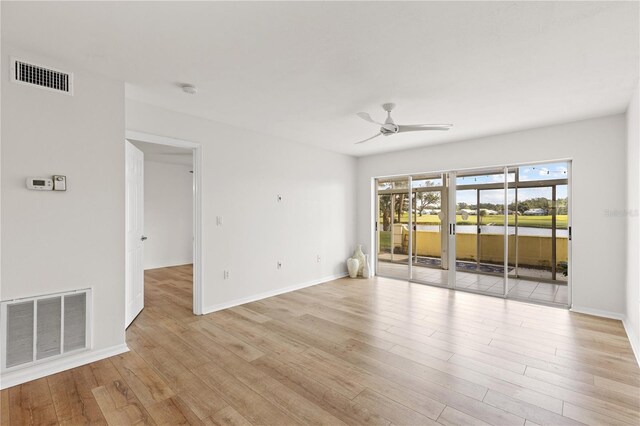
389 127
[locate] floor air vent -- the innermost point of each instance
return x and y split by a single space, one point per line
41 328
45 78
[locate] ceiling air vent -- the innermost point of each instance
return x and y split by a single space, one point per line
45 78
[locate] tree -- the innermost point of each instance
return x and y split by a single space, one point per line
401 205
385 207
463 206
424 199
532 203
561 207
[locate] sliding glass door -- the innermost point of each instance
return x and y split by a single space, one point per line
480 231
429 221
393 216
501 231
540 259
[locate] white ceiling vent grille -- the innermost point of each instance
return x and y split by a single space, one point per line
42 77
41 328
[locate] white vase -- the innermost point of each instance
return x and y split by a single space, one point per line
352 266
366 272
358 254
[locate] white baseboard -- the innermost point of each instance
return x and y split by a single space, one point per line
27 374
633 339
243 300
597 312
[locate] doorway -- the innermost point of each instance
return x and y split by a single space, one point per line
163 222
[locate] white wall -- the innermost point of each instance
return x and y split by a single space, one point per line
597 148
59 241
168 214
633 227
242 174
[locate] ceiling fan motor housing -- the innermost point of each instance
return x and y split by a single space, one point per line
387 132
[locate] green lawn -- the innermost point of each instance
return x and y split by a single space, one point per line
385 240
526 221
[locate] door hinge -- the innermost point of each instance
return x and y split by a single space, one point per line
570 234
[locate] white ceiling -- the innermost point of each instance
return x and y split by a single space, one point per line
301 71
164 153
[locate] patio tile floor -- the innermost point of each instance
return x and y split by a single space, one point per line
519 288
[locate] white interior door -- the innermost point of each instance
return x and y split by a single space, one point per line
134 281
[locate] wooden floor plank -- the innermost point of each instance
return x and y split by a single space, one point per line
243 399
173 411
148 386
73 401
589 417
197 395
119 403
4 407
452 417
118 406
527 411
296 377
370 352
31 404
397 413
228 416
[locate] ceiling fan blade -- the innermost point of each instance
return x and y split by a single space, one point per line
368 139
365 116
418 127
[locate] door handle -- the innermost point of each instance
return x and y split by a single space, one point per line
143 238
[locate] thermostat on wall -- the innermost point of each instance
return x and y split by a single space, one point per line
40 184
54 183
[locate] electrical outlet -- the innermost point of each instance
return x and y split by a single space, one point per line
226 275
279 198
279 265
318 259
219 220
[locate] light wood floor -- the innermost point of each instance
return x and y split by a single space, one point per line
347 352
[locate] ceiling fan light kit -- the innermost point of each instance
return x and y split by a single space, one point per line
389 127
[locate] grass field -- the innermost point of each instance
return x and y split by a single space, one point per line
525 221
385 240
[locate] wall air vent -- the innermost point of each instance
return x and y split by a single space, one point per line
42 77
41 328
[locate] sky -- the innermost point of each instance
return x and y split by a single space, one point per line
496 196
527 173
